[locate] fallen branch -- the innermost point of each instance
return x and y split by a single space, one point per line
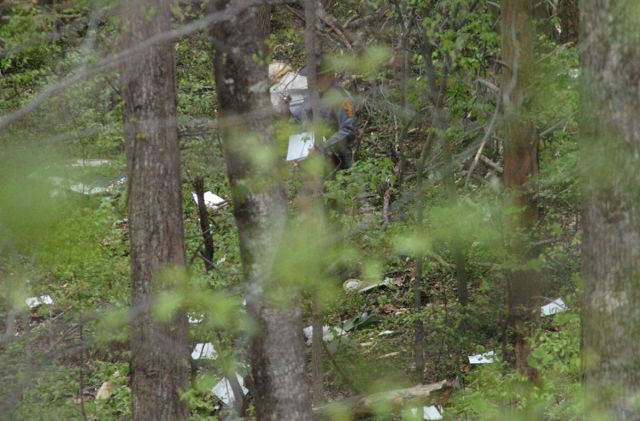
394 400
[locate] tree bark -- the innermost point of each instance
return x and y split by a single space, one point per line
610 246
520 165
205 223
569 20
159 353
280 389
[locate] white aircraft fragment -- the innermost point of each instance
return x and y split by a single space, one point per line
300 146
89 190
386 283
351 285
194 319
329 333
210 200
292 86
90 162
429 412
556 306
224 391
36 301
486 358
204 351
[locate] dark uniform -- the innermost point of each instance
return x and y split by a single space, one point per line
337 113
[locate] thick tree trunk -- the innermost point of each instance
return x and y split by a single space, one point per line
280 388
159 353
611 242
520 165
569 20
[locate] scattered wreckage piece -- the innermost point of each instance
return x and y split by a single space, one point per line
433 412
554 307
356 285
224 391
212 201
485 358
34 302
204 351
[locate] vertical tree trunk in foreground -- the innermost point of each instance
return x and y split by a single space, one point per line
159 353
569 20
611 242
280 389
520 165
205 223
313 192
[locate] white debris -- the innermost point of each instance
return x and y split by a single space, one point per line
328 333
486 358
556 306
205 351
36 301
210 200
387 282
90 162
89 190
294 87
300 146
223 390
357 285
194 319
351 285
387 333
429 412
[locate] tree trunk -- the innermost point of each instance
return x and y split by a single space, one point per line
569 20
520 165
159 353
205 223
610 246
280 389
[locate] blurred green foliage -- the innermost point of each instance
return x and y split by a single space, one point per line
74 247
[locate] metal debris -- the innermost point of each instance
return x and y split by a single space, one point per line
224 391
300 146
211 200
194 319
429 412
486 358
204 351
556 306
329 333
36 301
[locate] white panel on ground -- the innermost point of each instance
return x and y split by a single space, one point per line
90 162
486 358
86 189
210 200
194 319
205 351
555 306
36 301
223 390
429 412
300 146
328 333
